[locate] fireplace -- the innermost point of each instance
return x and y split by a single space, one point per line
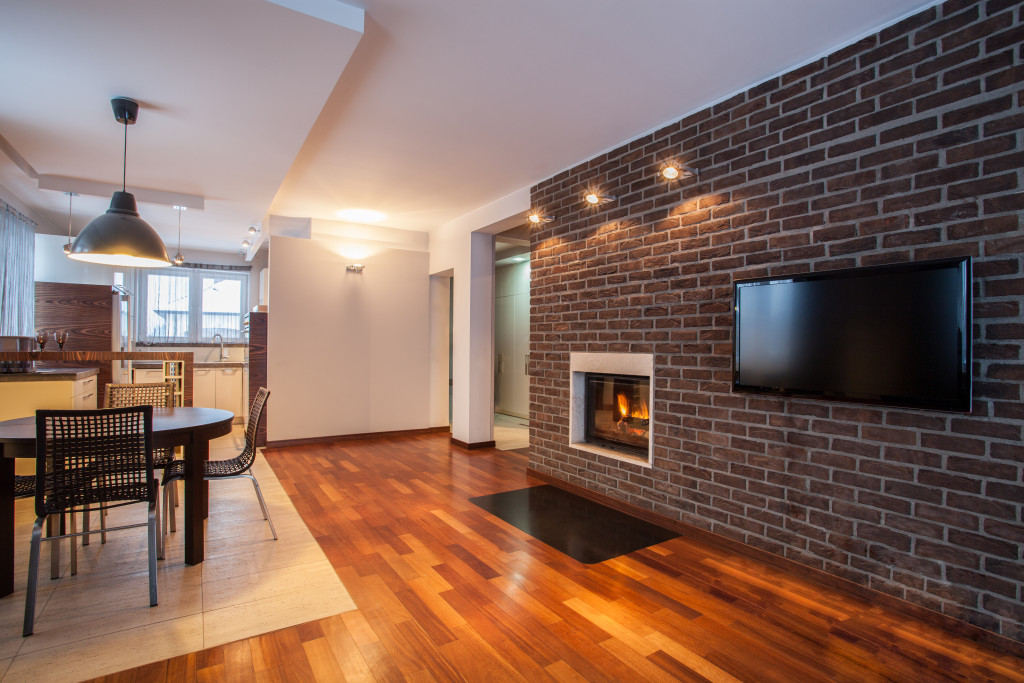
617 412
611 398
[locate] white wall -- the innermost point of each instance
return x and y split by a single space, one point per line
53 265
348 353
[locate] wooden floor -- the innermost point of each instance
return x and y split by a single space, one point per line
445 591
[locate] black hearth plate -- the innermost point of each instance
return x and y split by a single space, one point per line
586 531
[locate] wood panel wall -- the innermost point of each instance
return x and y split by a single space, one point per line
86 311
258 367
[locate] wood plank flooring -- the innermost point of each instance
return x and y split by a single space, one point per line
445 591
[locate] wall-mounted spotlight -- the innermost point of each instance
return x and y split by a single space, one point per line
537 218
355 267
673 171
598 198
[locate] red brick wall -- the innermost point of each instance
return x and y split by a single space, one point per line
903 146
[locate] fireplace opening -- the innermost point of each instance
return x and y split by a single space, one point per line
617 412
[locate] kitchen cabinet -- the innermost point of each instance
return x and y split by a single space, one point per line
218 388
22 394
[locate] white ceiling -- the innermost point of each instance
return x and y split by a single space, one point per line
437 108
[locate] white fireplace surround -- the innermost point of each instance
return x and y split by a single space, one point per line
639 364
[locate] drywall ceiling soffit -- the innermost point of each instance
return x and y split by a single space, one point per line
228 92
450 104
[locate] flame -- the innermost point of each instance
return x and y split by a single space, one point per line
639 412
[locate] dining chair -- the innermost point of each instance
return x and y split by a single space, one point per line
92 458
156 394
239 466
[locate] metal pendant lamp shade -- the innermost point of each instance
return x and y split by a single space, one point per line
120 237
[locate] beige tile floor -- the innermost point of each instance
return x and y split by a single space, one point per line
100 621
511 432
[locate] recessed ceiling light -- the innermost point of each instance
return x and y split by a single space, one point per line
361 215
518 259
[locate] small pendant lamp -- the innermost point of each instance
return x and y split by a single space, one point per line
120 237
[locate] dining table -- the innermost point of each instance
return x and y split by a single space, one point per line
189 427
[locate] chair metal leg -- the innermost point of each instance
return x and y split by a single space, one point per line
33 577
54 549
103 524
174 500
73 544
263 505
153 517
85 525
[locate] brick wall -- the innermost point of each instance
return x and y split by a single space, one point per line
903 146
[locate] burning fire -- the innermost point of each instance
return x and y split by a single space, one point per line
639 411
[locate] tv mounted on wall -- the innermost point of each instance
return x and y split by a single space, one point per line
897 335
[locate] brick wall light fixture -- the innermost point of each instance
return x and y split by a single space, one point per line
598 198
537 218
672 171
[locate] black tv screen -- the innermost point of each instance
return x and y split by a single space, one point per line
896 335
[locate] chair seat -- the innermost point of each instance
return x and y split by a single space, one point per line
24 486
231 467
162 457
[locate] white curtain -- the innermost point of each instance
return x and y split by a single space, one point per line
17 273
190 304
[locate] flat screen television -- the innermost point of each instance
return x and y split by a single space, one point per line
897 335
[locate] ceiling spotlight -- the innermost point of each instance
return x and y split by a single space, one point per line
538 218
245 244
597 198
120 237
253 229
355 267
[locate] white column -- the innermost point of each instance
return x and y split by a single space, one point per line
473 342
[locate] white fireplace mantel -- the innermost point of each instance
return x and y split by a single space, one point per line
638 364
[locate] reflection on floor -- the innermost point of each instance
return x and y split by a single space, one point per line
511 432
99 621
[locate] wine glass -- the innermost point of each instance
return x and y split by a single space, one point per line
42 336
62 338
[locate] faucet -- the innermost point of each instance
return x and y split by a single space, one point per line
223 353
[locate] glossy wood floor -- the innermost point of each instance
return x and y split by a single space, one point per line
445 591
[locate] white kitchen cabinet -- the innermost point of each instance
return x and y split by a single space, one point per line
204 388
218 388
228 385
148 375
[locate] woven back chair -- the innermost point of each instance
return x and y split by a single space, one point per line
97 458
237 466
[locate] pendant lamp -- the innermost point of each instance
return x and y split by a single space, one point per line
120 237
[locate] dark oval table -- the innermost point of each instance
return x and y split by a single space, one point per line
192 428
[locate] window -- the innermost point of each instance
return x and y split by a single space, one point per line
191 305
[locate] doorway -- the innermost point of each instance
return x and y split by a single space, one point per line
512 339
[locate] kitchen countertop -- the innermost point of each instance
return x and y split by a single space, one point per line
149 365
50 375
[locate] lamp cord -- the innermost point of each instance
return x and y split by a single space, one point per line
124 158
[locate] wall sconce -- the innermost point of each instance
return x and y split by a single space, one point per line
355 268
537 218
672 171
596 198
